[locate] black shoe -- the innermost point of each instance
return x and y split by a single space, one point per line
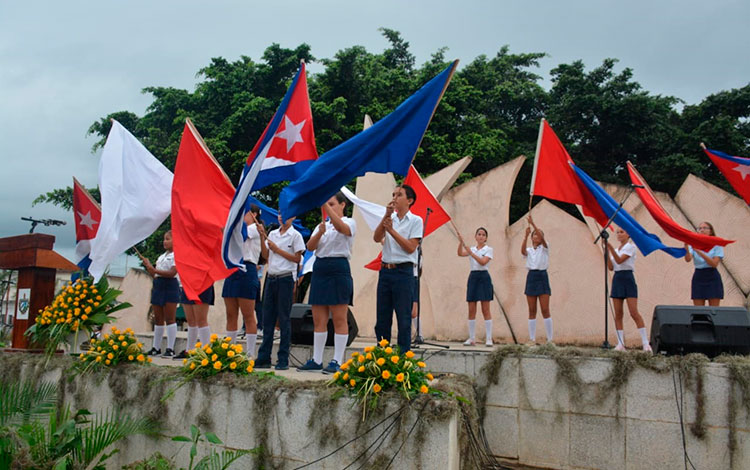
154 352
262 365
182 355
310 365
282 367
168 353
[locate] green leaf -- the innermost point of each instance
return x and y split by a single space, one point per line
181 439
213 439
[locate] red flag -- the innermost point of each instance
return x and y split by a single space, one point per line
425 200
555 179
734 169
201 196
673 229
87 214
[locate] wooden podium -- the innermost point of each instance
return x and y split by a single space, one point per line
32 256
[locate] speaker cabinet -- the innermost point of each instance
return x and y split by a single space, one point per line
681 329
303 328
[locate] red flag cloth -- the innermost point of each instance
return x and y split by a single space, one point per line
670 226
201 196
425 200
734 169
555 179
86 212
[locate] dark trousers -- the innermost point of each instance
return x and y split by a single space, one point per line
395 292
277 305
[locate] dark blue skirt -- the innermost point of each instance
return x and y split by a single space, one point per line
479 287
207 297
166 290
242 284
537 283
707 284
624 286
331 282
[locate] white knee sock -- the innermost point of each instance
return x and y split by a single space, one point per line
472 329
488 331
192 337
644 338
532 329
204 335
250 340
339 347
319 345
548 328
158 336
232 335
171 335
621 337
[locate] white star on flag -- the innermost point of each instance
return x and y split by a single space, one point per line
292 133
87 220
744 170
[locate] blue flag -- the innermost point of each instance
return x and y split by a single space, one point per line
645 241
387 146
269 216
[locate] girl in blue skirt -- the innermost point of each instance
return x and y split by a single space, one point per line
706 284
331 286
165 294
197 318
537 280
479 285
241 289
624 288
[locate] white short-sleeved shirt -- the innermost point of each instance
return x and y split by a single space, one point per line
165 262
251 246
291 242
629 264
484 251
537 258
699 262
334 244
409 227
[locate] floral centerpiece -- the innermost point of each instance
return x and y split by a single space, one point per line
380 368
219 355
114 348
80 306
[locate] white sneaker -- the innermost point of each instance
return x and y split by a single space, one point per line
489 343
647 347
620 347
469 342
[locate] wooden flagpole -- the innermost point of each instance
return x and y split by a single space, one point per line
536 161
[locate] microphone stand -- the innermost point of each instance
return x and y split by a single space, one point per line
604 235
418 340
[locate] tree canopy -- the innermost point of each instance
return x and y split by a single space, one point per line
491 111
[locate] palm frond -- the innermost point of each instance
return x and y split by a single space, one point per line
25 401
106 429
216 461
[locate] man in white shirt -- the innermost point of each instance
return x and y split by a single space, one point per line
285 248
400 232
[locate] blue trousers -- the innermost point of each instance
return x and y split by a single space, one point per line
395 292
277 305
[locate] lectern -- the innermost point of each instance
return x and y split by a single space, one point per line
32 256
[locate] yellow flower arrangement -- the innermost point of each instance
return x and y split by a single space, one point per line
62 320
104 353
381 368
217 356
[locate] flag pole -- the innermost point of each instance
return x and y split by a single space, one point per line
536 161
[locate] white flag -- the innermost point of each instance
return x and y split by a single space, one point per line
136 192
371 212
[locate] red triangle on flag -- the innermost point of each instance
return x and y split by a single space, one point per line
87 213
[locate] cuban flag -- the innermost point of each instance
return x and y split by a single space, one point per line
735 169
87 215
284 151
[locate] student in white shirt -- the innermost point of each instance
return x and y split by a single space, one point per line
624 289
241 289
537 280
331 286
479 286
400 232
285 248
706 285
165 294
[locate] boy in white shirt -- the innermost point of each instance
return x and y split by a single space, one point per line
285 249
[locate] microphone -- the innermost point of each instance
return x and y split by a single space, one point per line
640 186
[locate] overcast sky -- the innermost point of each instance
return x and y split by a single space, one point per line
65 64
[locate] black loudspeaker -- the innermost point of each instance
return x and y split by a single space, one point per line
303 328
681 329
